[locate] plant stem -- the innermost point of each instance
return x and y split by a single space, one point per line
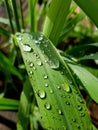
16 15
21 13
9 15
32 15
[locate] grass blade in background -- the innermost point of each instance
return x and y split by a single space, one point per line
9 15
90 7
21 14
4 32
7 66
55 19
89 81
15 12
32 15
8 104
59 100
24 106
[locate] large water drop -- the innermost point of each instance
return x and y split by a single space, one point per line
41 94
27 48
48 106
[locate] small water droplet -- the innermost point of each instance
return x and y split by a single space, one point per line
31 64
74 120
51 91
41 94
39 63
54 64
34 68
45 76
49 128
64 128
19 38
27 48
46 85
36 41
48 106
46 61
68 103
59 87
79 108
60 112
66 87
40 38
82 114
78 126
31 72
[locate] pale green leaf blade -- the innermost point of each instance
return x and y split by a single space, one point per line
55 19
8 104
90 7
59 100
89 81
7 66
24 107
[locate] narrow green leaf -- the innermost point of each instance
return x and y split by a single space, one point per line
6 21
15 12
93 56
59 100
9 15
8 104
24 107
55 19
89 81
90 7
4 32
7 66
32 15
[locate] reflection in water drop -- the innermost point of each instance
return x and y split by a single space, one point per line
39 63
66 87
45 76
27 48
41 94
48 106
31 64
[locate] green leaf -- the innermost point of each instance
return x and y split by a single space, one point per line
4 32
58 97
6 21
93 56
90 7
24 106
55 19
32 14
89 81
8 104
7 67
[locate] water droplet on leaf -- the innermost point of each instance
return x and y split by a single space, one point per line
27 48
66 87
41 94
48 106
45 76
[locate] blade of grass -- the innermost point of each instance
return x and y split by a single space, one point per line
55 19
8 104
6 21
7 66
32 15
9 15
4 32
24 106
14 6
21 14
90 7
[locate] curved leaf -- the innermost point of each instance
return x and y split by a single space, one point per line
60 102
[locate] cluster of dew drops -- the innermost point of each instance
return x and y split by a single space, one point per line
41 93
